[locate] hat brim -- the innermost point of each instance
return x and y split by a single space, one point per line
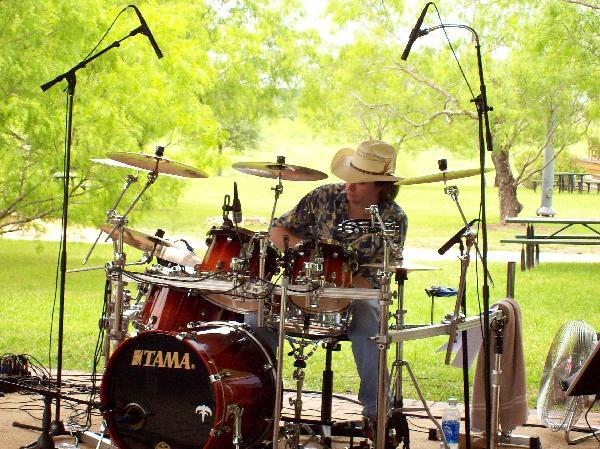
341 167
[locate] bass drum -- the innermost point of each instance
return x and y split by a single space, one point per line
168 390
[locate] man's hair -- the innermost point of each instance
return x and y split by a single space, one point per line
388 191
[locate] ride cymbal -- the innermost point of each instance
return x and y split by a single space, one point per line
276 170
403 265
441 176
162 248
156 164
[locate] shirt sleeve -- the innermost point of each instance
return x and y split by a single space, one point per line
298 219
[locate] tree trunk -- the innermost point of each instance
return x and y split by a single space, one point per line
507 186
219 168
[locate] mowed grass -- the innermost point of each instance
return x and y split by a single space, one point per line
549 295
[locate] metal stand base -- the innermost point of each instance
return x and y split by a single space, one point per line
99 440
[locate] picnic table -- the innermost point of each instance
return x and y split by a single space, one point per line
530 241
567 181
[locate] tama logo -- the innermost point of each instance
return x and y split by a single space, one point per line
161 359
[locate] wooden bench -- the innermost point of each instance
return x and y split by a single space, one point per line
530 249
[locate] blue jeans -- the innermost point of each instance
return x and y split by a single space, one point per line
364 324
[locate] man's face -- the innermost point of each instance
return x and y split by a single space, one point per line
362 193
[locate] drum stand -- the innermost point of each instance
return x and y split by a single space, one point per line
285 281
383 339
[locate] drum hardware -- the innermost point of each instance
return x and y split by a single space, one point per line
280 341
236 411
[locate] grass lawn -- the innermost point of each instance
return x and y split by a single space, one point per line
549 295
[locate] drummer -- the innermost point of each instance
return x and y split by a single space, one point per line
368 175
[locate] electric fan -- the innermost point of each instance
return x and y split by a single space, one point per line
572 345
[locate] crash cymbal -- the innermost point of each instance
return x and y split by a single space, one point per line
162 248
447 175
275 170
397 265
157 164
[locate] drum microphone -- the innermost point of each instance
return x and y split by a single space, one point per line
456 238
236 206
146 31
415 33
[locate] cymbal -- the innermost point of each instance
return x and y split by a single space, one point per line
275 170
447 175
401 265
150 162
162 248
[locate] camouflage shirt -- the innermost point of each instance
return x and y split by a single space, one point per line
321 211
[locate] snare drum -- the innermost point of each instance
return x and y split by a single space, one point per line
323 262
299 323
227 244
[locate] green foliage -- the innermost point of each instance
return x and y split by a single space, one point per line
226 67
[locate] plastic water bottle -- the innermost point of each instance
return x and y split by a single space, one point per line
451 423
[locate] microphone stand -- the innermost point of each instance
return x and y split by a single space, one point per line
485 141
57 427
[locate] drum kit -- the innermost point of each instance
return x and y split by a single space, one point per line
182 370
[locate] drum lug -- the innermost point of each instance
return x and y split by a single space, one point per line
217 377
183 335
267 367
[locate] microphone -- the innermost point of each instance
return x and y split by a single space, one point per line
415 33
455 238
236 206
147 32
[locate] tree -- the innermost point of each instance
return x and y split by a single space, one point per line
536 67
227 65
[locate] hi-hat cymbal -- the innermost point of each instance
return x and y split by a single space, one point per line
153 163
441 176
401 265
275 170
162 248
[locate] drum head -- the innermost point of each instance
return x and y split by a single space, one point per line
158 390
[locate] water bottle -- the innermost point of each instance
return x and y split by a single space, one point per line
451 423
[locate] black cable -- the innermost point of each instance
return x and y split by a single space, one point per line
453 52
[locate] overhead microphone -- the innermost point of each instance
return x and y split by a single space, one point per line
147 32
236 206
415 33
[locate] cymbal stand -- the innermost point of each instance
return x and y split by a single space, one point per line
382 338
452 192
470 237
111 213
285 280
114 269
262 242
278 189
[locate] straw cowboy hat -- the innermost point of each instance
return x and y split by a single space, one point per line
373 160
